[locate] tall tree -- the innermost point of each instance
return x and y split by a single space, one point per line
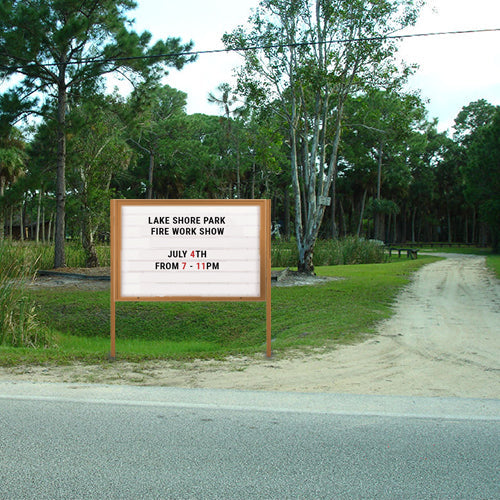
475 115
60 45
154 111
12 161
224 101
306 57
96 153
379 125
482 173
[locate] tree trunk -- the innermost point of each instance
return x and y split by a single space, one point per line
306 259
11 222
404 225
252 192
149 192
2 218
49 232
60 229
342 217
361 213
43 225
238 180
286 229
334 196
379 171
38 213
92 260
413 216
474 235
448 217
21 222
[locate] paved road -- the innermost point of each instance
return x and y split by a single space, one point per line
82 441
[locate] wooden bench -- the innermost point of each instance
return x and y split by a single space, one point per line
411 253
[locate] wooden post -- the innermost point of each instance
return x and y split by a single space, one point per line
268 277
112 352
113 249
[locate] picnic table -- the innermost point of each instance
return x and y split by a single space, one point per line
411 253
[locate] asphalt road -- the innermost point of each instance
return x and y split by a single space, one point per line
81 441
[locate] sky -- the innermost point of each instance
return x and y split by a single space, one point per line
454 70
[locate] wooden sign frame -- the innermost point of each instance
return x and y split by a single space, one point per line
118 270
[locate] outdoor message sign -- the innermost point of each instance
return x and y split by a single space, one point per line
173 250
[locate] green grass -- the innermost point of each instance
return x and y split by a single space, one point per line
336 312
493 262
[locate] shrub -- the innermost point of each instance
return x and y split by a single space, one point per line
18 324
348 250
41 255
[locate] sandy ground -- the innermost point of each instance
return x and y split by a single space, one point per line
443 340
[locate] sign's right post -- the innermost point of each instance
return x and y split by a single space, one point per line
267 206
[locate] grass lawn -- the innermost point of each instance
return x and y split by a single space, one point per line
493 262
336 312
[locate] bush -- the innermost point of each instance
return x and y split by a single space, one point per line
18 324
41 255
349 250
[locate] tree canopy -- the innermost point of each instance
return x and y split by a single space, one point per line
320 126
60 47
297 66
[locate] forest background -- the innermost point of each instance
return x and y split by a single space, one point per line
324 129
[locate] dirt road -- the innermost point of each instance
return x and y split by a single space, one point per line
444 340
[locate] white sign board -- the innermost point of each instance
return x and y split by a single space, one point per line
189 249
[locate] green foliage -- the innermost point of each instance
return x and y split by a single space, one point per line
343 251
472 117
19 326
300 98
482 173
12 165
307 82
64 32
382 206
65 48
29 255
96 148
155 124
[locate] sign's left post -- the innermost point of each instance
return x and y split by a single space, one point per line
113 241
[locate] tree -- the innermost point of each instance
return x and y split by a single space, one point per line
226 99
426 150
294 61
12 162
97 149
482 174
461 166
379 126
475 115
154 111
59 46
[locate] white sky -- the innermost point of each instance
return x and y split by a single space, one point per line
454 70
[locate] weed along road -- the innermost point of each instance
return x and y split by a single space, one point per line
75 441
